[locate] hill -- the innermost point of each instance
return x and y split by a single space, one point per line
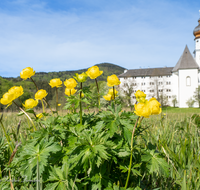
107 68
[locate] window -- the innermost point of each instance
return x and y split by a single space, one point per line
188 81
134 77
143 83
151 90
151 83
160 83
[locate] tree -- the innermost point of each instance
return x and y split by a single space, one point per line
174 100
190 102
197 95
127 92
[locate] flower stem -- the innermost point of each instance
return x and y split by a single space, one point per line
114 92
48 105
81 105
25 114
98 93
38 174
56 99
34 83
43 106
131 157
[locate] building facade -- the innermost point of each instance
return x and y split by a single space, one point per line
173 86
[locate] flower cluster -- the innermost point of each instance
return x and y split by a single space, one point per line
55 83
146 108
111 95
70 86
93 72
30 103
27 73
12 94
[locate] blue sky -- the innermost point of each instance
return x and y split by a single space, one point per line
60 35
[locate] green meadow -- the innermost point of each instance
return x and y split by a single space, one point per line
165 156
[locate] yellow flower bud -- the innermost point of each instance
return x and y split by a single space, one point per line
154 106
7 98
59 104
69 91
82 95
81 77
27 73
16 90
40 115
93 72
111 91
108 97
142 109
55 83
113 80
112 94
30 103
70 83
140 96
40 94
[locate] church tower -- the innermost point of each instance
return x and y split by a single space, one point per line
196 33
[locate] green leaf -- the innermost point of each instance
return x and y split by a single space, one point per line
183 186
112 128
156 163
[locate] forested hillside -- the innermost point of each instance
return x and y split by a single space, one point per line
42 79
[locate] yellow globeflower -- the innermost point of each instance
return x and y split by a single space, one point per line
113 80
30 103
16 90
93 72
81 77
108 97
27 73
7 98
55 83
40 115
142 109
70 83
154 106
40 94
140 96
69 91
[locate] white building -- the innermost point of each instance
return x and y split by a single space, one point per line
167 83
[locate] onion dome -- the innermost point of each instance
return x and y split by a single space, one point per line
196 31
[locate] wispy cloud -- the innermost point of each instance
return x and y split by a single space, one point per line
143 33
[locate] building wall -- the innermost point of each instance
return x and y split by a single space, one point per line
151 86
187 82
175 87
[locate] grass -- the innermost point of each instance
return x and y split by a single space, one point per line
181 110
173 132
